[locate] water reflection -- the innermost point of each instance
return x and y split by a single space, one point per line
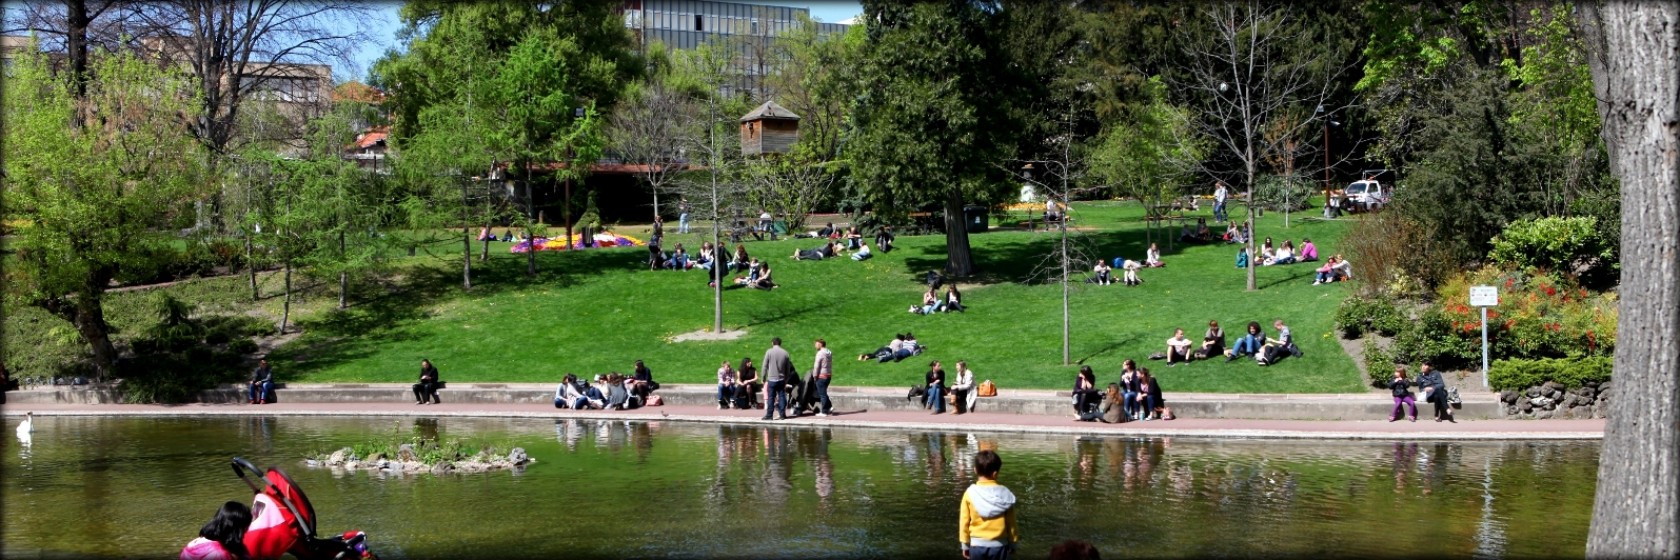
774 491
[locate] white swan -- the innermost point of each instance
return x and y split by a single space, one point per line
25 429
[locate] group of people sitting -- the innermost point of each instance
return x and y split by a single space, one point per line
1335 269
937 388
933 303
1103 274
609 391
1253 344
1286 254
900 347
1136 396
1201 233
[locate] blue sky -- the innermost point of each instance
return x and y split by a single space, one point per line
385 26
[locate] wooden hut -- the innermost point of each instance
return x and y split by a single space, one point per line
769 129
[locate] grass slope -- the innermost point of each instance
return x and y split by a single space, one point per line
595 311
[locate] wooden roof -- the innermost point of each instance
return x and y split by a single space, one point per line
770 110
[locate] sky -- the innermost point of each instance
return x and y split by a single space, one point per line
386 24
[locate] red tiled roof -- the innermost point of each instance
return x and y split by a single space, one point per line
372 137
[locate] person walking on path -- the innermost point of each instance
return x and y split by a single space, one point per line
1434 391
1219 195
426 390
683 210
1402 390
262 383
823 371
777 367
986 522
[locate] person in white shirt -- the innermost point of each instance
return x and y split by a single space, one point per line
1152 258
1219 195
963 389
1102 272
862 253
1178 348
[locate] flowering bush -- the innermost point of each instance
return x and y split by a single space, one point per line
1538 316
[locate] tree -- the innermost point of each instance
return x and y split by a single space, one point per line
650 129
74 27
342 198
719 194
445 170
539 117
931 123
1258 69
1634 51
1151 152
93 197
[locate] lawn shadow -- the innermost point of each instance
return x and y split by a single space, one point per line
1110 347
1019 261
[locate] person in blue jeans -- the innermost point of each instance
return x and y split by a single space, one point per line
1148 395
935 388
262 383
822 371
1129 389
1248 344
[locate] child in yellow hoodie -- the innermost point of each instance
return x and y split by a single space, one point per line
987 525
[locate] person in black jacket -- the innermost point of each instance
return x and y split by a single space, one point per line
262 383
1085 395
1434 391
935 387
1402 390
426 389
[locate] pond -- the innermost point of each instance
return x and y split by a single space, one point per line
141 487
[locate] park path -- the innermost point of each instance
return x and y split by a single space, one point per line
1424 429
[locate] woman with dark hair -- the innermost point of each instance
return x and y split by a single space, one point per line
223 538
1213 341
935 388
1149 395
747 385
953 298
1248 344
1085 394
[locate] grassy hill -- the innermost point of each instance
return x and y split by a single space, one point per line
599 310
595 311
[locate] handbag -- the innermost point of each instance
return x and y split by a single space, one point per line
1452 396
988 389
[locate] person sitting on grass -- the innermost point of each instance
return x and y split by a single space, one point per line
1284 255
854 237
1232 233
678 259
862 253
1248 344
884 239
1326 273
1342 272
656 257
741 262
930 303
707 257
953 299
1213 342
1178 348
1152 258
1276 348
1131 277
824 233
1102 274
752 274
764 281
1309 252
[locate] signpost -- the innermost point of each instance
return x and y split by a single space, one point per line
1484 297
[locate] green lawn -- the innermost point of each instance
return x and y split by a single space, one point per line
595 311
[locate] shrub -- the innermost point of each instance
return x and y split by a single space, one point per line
1522 374
1358 315
1566 246
1379 364
1391 255
1538 316
242 346
1435 337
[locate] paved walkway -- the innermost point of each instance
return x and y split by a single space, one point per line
1424 429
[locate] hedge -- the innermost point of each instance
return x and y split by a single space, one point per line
1522 374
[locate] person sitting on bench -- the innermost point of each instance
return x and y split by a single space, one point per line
427 389
262 383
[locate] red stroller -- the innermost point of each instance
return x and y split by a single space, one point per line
282 521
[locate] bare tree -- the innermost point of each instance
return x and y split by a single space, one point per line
791 185
719 193
1252 72
1634 53
651 132
75 28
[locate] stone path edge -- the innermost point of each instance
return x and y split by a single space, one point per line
1290 429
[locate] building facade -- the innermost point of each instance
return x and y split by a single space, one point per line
751 30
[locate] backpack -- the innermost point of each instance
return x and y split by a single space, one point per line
916 392
988 389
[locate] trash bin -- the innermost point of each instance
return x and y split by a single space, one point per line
978 218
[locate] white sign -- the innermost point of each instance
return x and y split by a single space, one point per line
1484 296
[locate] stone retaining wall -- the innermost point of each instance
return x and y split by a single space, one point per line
1552 400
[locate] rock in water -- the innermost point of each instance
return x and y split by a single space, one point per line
517 456
405 452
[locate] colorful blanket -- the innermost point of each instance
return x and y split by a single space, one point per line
602 239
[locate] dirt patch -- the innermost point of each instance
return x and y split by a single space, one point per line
707 335
266 344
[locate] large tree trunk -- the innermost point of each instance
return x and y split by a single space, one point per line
1634 51
959 261
89 319
76 22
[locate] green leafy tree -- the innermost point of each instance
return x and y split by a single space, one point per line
1152 152
95 182
930 123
